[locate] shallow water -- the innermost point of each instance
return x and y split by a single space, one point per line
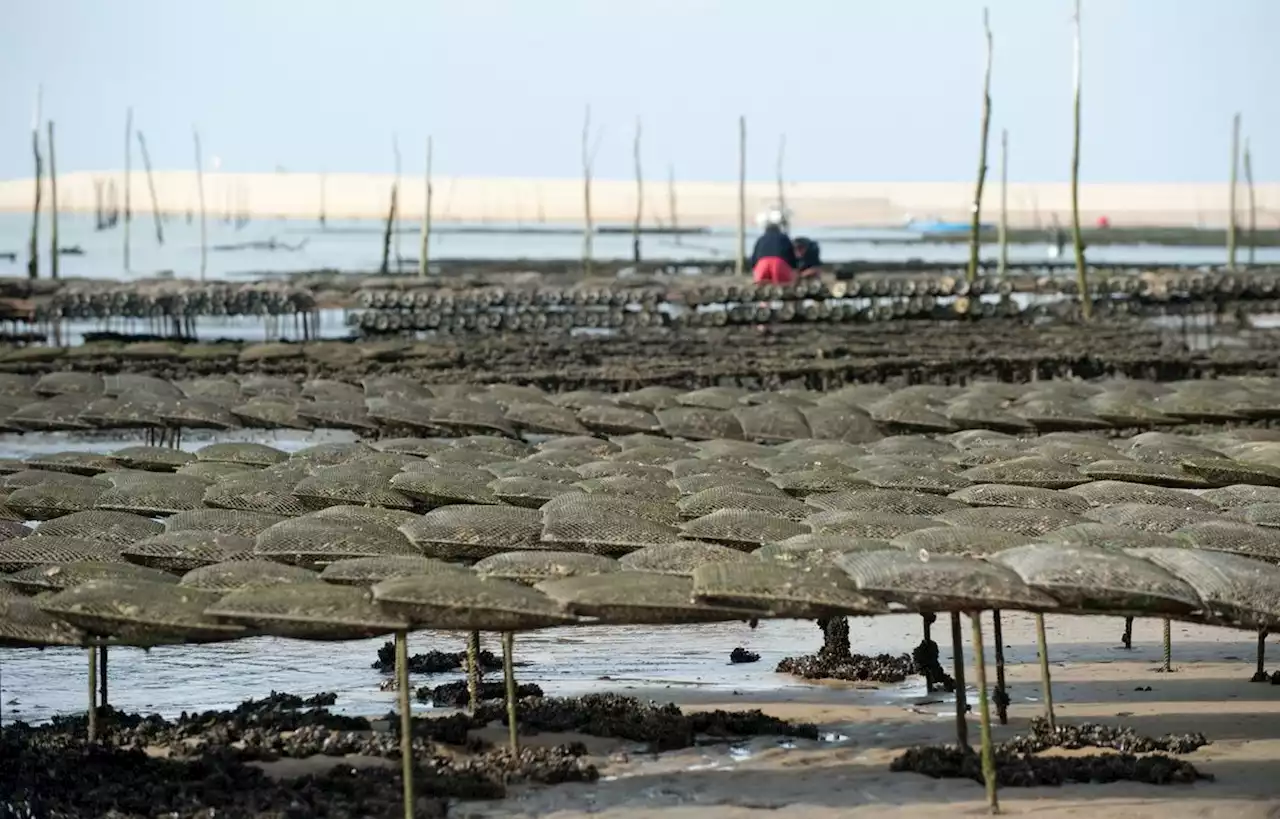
357 246
682 663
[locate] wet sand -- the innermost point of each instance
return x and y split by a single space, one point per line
846 773
850 777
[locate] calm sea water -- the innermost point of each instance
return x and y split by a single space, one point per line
357 246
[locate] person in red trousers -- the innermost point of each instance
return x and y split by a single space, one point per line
773 261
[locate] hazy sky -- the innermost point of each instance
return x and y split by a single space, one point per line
875 90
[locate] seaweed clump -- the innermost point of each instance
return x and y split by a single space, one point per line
741 655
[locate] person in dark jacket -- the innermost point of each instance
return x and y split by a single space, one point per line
773 261
807 259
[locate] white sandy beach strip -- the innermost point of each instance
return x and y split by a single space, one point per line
707 204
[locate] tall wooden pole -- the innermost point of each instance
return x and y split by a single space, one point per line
1231 197
740 266
588 227
975 240
782 189
1253 212
33 247
424 251
1082 279
1004 202
151 186
204 234
99 206
128 165
395 216
385 268
635 227
53 206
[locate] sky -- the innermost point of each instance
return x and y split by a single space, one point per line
864 90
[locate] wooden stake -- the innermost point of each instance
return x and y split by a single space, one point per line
1231 198
1046 683
1082 277
128 164
92 729
474 677
975 240
957 670
424 251
1002 694
1253 211
204 236
671 201
984 716
102 677
151 187
386 235
53 207
588 226
1167 667
635 228
406 723
740 266
1004 202
509 676
782 190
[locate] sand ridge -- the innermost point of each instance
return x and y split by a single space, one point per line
532 201
1094 680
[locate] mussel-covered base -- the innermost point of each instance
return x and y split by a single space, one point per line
202 765
1097 735
1024 770
885 668
58 778
433 662
835 661
456 695
660 727
1018 766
